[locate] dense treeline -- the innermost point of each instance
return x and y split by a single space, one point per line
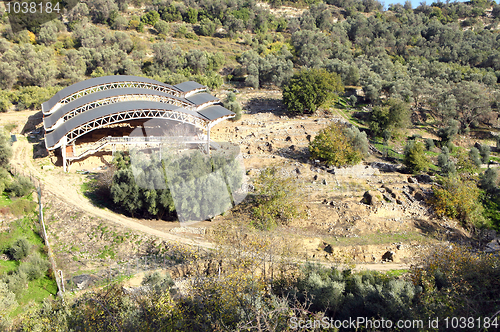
428 56
449 283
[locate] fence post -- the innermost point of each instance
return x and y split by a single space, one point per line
60 286
16 171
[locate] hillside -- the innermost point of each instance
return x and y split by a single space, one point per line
370 141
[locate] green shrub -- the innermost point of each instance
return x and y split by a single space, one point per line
157 282
35 267
22 207
488 180
457 198
474 156
7 299
277 197
133 24
32 97
447 166
150 17
393 115
353 100
457 281
447 133
5 178
231 104
16 282
211 79
162 27
357 139
309 89
5 151
342 294
484 151
5 104
207 27
429 144
181 31
339 145
21 186
414 157
20 249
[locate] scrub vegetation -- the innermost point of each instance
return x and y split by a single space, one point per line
414 86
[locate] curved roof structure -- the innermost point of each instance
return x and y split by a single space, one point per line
99 102
216 112
119 112
96 99
92 85
190 87
203 99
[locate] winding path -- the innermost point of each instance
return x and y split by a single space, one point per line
66 186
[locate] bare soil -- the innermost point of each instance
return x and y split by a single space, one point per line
339 227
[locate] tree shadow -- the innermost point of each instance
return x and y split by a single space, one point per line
298 153
32 123
100 155
33 128
440 232
265 105
39 150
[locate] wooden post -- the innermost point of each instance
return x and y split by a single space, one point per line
63 153
208 139
60 286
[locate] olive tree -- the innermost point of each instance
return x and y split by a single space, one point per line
309 89
5 151
8 75
414 157
339 145
390 116
166 56
100 10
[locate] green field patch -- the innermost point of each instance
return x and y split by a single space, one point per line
26 227
432 153
396 273
493 158
37 291
7 266
5 200
391 153
492 211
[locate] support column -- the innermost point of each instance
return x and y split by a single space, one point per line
208 139
63 152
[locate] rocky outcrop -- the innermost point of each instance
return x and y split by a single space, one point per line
424 178
371 198
388 256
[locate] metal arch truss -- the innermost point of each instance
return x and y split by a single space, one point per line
118 85
117 99
133 115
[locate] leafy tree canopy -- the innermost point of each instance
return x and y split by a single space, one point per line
339 145
390 116
309 89
414 157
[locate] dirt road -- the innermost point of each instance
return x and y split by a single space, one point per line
66 186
